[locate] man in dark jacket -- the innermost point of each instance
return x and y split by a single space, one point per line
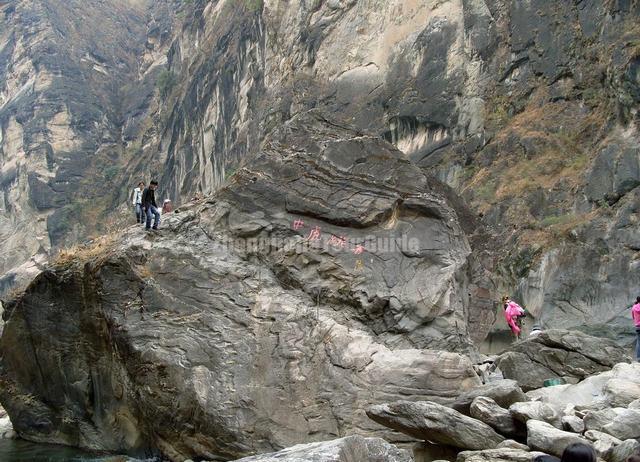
149 205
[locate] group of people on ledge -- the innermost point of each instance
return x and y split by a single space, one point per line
579 452
514 315
145 206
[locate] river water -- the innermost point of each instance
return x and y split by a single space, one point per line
23 451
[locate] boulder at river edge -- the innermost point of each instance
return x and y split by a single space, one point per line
349 449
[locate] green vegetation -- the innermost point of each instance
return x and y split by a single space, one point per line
254 5
111 172
555 220
166 82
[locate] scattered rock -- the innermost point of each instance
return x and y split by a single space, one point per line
544 437
622 423
511 444
488 411
436 423
503 392
497 455
603 443
635 404
556 354
597 392
625 449
349 449
535 410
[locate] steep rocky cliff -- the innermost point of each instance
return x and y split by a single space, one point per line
285 114
269 315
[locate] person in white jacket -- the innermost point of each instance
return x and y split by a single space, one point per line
137 203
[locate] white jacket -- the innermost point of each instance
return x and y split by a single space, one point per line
137 196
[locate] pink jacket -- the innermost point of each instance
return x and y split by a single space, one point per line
635 314
511 314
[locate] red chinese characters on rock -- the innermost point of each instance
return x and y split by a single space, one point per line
298 224
340 242
358 250
314 234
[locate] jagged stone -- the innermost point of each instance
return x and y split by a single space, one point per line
433 422
542 436
621 423
535 410
495 455
511 444
603 443
488 411
573 423
349 449
627 448
503 392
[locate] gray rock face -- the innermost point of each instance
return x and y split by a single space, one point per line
559 353
488 411
433 422
349 449
248 323
544 437
621 423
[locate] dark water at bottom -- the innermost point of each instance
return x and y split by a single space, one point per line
24 451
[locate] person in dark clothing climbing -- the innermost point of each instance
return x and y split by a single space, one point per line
149 205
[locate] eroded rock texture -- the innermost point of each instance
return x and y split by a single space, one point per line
201 344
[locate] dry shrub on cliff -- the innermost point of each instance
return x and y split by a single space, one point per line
99 247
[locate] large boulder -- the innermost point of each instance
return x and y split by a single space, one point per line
544 437
349 449
433 422
535 410
615 388
268 315
621 423
488 411
559 354
503 392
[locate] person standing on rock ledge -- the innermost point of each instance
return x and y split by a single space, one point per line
137 203
150 207
635 314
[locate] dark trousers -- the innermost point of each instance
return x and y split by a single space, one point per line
637 343
151 210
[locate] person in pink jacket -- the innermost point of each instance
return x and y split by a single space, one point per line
512 313
635 314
